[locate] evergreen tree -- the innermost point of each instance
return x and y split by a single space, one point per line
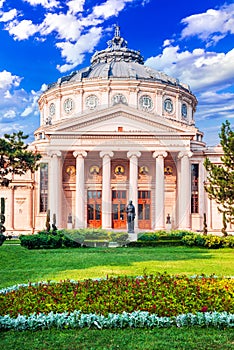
220 180
14 157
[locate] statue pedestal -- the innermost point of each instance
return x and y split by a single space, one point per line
132 237
168 227
69 225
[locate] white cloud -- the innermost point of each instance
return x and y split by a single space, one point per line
7 80
217 98
32 107
27 111
9 129
66 25
109 8
7 94
45 3
199 68
1 3
167 42
72 26
8 16
22 30
73 53
10 114
212 25
76 6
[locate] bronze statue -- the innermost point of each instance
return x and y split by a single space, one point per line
168 219
130 210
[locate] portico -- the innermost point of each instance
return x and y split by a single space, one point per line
96 184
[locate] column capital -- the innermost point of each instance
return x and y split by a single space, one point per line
131 154
157 154
109 154
55 153
80 153
182 154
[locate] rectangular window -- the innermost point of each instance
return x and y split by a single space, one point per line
43 187
194 188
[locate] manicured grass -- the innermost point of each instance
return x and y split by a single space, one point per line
19 265
12 241
127 339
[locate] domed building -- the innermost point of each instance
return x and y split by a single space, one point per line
109 133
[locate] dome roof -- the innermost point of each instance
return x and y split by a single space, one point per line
117 61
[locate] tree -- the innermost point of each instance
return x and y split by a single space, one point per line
220 180
15 158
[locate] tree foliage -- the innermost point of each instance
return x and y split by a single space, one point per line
220 184
15 157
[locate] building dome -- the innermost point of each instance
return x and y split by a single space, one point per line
117 75
117 61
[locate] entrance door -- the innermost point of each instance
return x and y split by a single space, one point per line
94 207
144 209
119 209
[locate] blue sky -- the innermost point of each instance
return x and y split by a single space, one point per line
42 40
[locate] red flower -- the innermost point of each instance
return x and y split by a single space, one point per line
204 309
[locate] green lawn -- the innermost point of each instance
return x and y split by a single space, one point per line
120 339
19 265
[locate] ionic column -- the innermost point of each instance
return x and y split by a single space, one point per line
106 189
55 186
133 181
184 195
30 207
201 191
80 189
10 208
159 190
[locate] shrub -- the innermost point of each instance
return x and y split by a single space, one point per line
213 242
228 241
41 241
70 243
2 239
154 243
164 235
149 237
119 237
189 240
209 241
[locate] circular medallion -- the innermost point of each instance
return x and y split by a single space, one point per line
70 170
146 103
119 170
184 110
68 105
94 170
119 98
168 105
144 170
52 109
91 101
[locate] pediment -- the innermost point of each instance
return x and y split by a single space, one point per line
118 118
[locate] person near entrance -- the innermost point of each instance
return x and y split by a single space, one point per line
130 216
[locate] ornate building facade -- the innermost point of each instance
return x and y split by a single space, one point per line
109 133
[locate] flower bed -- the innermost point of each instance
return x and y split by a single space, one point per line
160 298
